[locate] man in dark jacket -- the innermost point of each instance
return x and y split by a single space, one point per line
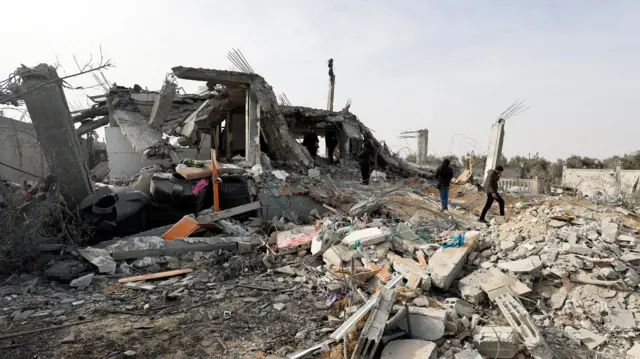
311 143
366 159
444 175
331 140
491 188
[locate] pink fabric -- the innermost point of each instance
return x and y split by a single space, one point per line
199 186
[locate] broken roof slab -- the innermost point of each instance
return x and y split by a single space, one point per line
222 77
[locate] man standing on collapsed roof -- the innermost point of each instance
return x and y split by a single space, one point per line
491 188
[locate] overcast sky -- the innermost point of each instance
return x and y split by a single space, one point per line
448 66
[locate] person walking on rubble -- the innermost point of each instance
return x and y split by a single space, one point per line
491 188
444 175
366 158
311 143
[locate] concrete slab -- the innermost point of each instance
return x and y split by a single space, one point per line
410 349
497 342
468 354
410 269
152 246
496 283
366 237
426 323
446 263
621 318
526 265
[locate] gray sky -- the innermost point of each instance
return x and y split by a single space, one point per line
448 66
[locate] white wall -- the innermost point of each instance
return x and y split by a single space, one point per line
591 181
19 148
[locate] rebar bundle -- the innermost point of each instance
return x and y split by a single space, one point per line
239 61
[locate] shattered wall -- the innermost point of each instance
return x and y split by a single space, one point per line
19 148
605 181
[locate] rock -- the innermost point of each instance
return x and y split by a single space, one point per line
129 353
608 273
313 173
557 299
66 270
279 306
631 278
496 342
410 349
507 245
426 323
609 231
124 268
83 282
100 258
69 339
446 263
527 265
366 237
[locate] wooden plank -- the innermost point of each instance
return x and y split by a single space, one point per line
195 172
157 275
214 176
216 216
183 228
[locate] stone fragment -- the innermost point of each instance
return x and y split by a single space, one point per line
557 299
83 282
631 278
337 255
410 269
100 258
556 224
313 173
507 245
426 323
282 298
496 342
446 263
66 270
608 273
527 265
279 306
632 257
410 349
464 308
69 339
609 231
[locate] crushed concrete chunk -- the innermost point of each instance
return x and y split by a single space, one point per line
446 263
621 318
609 231
83 282
367 206
337 255
527 265
470 287
557 299
632 258
498 283
410 349
497 342
426 323
100 258
468 354
576 249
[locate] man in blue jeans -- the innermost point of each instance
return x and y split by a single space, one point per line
444 174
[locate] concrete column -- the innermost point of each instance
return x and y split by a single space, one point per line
227 134
49 113
345 147
252 129
162 105
495 146
423 143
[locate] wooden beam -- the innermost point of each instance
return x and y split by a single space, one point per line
157 275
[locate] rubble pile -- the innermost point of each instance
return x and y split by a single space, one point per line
554 279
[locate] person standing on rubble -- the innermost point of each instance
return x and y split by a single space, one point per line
444 175
311 143
491 188
331 139
366 158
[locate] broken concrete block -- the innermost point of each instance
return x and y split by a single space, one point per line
497 283
609 231
367 206
556 224
426 323
557 299
374 327
337 255
496 342
410 349
410 268
66 270
507 245
366 237
313 173
405 233
464 308
279 306
99 258
631 257
527 265
83 282
632 278
520 320
589 339
576 249
446 263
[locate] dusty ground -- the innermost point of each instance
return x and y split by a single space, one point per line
194 326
